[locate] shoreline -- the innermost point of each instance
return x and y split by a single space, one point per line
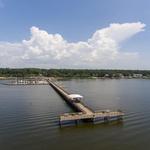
68 78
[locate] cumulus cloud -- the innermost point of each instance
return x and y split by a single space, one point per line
42 49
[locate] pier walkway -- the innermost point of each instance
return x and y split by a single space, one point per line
83 111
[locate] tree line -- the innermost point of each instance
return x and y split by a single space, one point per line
29 72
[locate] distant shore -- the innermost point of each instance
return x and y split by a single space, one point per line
68 78
8 73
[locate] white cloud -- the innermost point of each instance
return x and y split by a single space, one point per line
52 50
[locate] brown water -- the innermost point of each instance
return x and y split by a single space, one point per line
29 116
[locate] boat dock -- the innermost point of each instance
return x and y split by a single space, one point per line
83 112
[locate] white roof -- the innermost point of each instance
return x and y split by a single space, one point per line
75 96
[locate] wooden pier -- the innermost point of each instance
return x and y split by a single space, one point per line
83 112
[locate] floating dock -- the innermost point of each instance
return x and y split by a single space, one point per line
83 112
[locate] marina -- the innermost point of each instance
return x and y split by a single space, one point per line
30 81
27 81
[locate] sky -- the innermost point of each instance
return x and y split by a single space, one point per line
91 34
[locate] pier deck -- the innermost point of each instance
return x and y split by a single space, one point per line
83 112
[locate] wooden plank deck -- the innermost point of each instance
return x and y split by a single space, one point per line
84 112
